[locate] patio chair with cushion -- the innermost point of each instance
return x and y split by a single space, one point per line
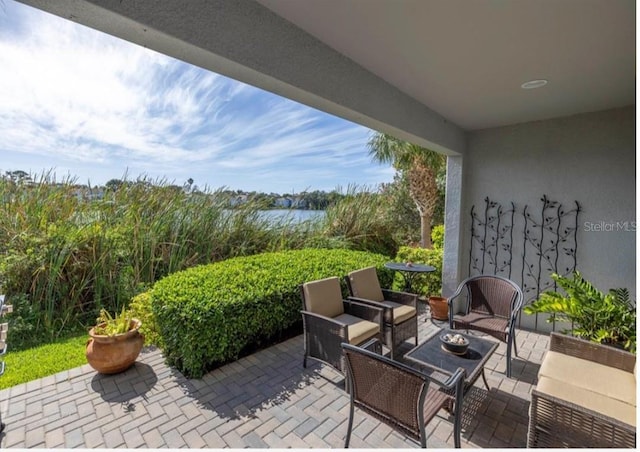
400 308
329 320
398 395
492 306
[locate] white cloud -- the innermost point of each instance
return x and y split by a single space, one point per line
77 99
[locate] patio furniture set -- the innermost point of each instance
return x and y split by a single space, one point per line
348 334
594 408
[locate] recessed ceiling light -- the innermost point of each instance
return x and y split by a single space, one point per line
532 84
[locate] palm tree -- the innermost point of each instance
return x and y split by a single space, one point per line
421 167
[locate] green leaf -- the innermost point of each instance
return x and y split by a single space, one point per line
599 317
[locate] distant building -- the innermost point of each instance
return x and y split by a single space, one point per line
299 203
285 203
295 202
238 199
83 193
95 193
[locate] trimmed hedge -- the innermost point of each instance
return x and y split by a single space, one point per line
207 314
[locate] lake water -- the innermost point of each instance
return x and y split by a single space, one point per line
296 215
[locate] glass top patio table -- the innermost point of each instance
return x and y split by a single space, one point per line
430 354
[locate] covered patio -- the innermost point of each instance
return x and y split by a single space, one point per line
452 76
264 400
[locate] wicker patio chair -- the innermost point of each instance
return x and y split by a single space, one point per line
329 321
585 396
400 308
492 306
398 395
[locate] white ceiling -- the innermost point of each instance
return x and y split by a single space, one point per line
466 59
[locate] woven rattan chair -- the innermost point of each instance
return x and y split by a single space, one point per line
329 321
400 308
492 306
399 395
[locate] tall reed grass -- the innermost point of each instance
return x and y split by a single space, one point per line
361 222
64 257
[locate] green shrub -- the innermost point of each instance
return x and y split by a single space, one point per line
208 314
23 321
604 318
437 236
429 283
140 308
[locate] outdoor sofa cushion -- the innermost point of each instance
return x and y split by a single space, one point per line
597 387
359 330
401 312
324 297
591 376
599 403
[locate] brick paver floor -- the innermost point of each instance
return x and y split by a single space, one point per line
265 400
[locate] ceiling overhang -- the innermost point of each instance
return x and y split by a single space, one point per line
424 70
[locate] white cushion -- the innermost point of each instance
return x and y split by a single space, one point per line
594 377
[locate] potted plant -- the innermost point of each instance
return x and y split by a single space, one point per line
115 342
605 318
439 307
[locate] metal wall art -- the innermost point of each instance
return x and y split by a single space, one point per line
525 245
491 239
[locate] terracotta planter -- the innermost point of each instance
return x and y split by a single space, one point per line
439 308
113 354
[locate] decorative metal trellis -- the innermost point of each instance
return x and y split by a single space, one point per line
548 243
553 239
492 233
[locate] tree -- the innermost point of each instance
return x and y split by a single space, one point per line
18 176
114 184
399 204
421 167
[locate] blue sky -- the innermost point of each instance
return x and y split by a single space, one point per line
95 107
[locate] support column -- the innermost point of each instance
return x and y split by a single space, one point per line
452 226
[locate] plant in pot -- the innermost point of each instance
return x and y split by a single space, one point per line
604 318
439 307
114 343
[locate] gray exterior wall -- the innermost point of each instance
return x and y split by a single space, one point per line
589 158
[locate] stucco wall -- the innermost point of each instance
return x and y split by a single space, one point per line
589 158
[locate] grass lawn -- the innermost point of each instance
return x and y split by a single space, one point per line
26 365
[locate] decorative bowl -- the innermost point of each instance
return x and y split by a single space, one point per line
455 343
